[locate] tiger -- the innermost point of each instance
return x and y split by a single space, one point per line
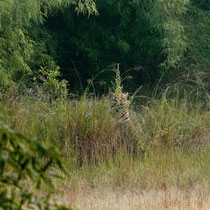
120 104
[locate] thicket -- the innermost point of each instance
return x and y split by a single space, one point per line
149 37
25 181
24 41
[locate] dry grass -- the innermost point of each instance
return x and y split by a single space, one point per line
167 180
174 133
109 199
87 128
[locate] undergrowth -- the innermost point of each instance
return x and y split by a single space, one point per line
172 141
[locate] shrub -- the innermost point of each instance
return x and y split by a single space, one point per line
24 166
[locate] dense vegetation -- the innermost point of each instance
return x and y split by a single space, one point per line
57 68
148 37
23 170
172 145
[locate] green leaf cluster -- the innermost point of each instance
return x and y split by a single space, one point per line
25 180
23 39
51 84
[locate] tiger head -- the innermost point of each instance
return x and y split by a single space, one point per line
119 99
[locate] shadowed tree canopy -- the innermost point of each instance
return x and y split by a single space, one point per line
24 41
148 37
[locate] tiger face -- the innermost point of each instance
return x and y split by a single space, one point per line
119 99
124 99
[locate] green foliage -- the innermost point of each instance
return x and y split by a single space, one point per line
117 86
167 17
148 36
197 29
25 180
87 6
51 84
19 45
120 34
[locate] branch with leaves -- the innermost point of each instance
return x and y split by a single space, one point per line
24 171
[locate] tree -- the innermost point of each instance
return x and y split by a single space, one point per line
18 50
148 36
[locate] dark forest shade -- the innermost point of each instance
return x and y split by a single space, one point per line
149 37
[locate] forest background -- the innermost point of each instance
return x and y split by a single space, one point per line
148 37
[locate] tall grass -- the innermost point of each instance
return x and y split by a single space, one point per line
88 128
171 135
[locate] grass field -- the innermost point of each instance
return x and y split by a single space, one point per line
171 165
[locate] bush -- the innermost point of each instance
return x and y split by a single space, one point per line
24 166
